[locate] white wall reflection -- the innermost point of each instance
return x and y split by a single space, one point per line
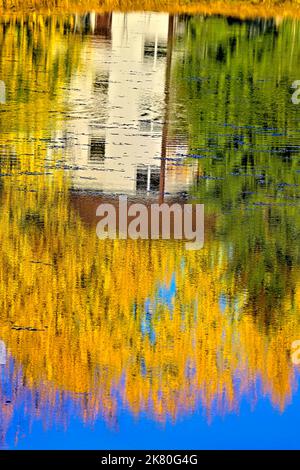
117 102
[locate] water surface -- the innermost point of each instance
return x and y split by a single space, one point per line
142 344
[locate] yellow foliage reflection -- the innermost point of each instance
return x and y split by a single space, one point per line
237 8
85 316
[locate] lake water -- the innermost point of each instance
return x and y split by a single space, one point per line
128 344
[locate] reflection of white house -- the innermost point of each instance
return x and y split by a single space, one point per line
2 353
117 106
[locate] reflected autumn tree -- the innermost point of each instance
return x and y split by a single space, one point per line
244 133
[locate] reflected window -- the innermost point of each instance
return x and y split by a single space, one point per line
101 83
157 127
147 178
141 178
146 125
150 126
97 150
151 51
154 179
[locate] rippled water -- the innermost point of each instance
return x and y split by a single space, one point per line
142 344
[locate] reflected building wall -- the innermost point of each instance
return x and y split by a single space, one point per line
115 136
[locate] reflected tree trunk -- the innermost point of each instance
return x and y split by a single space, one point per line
167 104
